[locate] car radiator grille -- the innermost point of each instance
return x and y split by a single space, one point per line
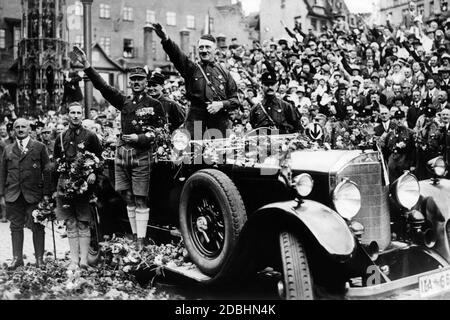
374 212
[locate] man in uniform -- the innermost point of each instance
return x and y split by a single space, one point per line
174 112
24 181
273 112
210 88
445 130
139 114
428 142
76 213
399 148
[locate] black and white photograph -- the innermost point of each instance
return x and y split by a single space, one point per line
201 154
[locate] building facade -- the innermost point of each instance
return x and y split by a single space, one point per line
118 26
397 8
313 14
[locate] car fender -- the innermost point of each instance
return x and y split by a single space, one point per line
326 225
435 203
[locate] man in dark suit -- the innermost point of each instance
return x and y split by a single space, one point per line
24 181
415 110
386 124
445 129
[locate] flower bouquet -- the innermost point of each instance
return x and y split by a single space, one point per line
77 171
45 212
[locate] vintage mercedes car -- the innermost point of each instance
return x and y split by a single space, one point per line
317 220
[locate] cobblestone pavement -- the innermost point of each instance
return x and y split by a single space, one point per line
62 245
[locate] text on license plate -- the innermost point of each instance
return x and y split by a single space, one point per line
434 283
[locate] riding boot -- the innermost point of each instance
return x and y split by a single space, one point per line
74 246
17 246
84 251
39 245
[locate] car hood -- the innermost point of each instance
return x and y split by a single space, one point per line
322 161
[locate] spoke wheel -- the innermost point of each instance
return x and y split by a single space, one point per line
212 215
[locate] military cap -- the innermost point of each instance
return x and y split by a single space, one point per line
269 79
138 72
282 41
157 78
316 58
430 112
40 124
374 75
9 126
342 86
399 114
208 37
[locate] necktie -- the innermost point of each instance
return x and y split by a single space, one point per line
22 147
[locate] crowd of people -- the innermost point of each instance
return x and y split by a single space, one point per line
383 87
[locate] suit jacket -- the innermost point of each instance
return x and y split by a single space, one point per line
414 113
27 173
379 129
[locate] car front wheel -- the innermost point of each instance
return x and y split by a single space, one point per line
212 215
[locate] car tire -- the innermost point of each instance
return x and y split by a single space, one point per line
94 248
296 277
210 235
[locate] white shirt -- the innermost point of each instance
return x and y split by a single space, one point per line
24 142
386 125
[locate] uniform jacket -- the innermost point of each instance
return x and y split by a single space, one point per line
414 113
175 114
27 173
281 113
138 113
197 90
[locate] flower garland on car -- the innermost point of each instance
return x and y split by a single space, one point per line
77 171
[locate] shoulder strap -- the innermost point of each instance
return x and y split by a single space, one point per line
208 83
267 114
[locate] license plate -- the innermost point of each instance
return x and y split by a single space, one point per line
434 283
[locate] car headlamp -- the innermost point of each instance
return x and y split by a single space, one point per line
438 166
303 184
347 199
180 140
407 190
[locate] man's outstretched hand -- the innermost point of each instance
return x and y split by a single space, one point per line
78 55
159 30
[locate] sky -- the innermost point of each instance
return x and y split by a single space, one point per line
354 5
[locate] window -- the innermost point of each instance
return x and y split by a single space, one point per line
128 14
150 17
323 25
2 38
283 4
79 40
128 48
78 8
17 37
105 43
421 9
314 24
190 22
105 11
171 18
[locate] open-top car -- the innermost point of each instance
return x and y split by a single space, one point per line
317 219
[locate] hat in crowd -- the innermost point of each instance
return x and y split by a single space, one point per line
138 72
374 75
445 56
399 114
357 78
316 58
355 67
301 89
157 78
282 41
269 79
326 67
208 37
430 112
46 129
40 124
293 84
397 98
342 86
